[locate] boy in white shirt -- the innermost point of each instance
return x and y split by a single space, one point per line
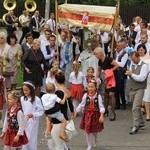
49 99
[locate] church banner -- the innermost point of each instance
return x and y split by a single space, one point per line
87 15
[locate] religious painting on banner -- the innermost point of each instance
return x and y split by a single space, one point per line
87 15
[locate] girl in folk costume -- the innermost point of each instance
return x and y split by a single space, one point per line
33 110
90 76
13 128
93 110
77 81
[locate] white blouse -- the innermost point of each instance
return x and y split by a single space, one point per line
79 80
21 123
83 102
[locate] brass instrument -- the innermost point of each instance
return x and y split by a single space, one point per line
15 19
9 4
30 5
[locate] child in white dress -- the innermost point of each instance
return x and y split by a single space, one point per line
49 100
33 110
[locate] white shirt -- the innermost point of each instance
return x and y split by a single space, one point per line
44 43
138 37
83 102
147 44
50 79
143 73
42 37
51 23
79 80
25 19
104 37
49 100
123 59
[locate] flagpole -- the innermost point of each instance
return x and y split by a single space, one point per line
114 24
56 16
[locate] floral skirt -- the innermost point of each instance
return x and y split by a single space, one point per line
77 91
90 122
10 137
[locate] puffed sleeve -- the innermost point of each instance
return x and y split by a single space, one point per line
100 103
38 108
82 104
5 125
21 122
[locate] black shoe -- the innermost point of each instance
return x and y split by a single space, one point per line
112 119
117 107
124 107
141 127
134 130
147 119
106 113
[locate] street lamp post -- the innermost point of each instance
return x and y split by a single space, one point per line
47 9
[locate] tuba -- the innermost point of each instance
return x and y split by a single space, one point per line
9 4
30 5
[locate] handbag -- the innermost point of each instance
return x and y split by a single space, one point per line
70 128
9 72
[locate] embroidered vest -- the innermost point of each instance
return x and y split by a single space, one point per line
12 120
96 105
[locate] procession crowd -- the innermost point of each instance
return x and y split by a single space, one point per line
82 74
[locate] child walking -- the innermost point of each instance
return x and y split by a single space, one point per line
13 128
33 110
49 100
78 84
3 95
93 110
90 76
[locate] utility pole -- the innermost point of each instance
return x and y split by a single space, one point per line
47 9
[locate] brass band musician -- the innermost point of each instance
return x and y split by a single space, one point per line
24 20
10 21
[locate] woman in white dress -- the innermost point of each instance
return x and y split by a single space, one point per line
145 57
33 110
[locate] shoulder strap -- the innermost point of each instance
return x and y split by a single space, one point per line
36 59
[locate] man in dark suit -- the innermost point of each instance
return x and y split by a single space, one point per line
131 33
35 25
10 21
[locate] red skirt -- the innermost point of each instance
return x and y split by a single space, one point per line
11 135
77 91
1 102
90 122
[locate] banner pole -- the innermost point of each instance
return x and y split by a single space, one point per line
56 16
114 24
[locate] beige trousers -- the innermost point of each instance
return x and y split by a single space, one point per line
136 97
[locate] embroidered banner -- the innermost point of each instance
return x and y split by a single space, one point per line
87 15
